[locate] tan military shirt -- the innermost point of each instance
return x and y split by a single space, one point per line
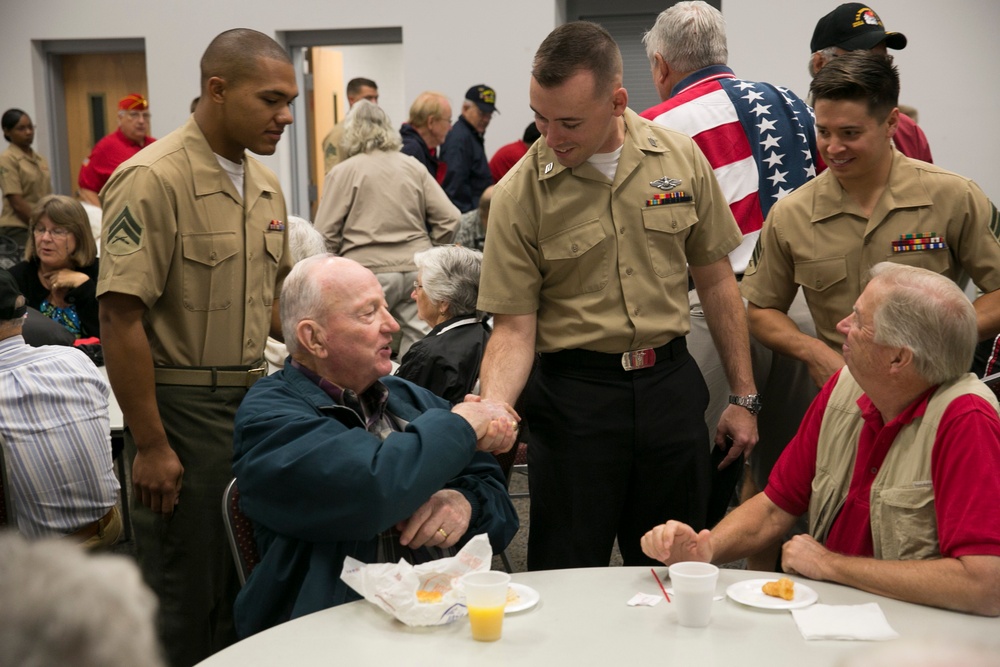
25 175
208 266
605 270
819 239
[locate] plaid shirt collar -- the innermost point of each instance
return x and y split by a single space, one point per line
369 405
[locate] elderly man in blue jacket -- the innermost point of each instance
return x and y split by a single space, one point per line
332 459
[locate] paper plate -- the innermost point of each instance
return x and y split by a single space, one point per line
749 593
527 598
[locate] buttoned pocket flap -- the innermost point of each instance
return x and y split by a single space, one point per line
210 249
670 218
821 274
573 242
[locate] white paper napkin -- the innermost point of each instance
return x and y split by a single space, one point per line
826 621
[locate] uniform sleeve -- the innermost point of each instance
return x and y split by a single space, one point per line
10 178
979 247
510 281
769 281
138 234
790 484
716 234
964 471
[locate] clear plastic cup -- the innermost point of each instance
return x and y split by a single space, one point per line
485 598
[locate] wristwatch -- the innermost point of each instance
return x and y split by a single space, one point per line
751 402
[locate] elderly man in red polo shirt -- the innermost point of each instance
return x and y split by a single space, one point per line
131 137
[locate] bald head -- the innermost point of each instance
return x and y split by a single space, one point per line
233 55
316 286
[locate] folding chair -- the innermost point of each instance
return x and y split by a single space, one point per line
239 530
993 382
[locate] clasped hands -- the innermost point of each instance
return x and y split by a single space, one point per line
495 423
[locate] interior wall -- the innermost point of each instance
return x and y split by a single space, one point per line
449 45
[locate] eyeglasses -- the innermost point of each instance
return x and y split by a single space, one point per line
136 115
417 285
54 232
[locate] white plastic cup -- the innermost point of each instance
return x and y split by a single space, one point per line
486 598
694 591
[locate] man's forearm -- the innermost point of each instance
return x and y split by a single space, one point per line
969 584
746 530
988 314
509 356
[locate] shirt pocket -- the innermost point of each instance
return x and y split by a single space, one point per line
667 228
273 243
908 523
576 259
210 270
825 279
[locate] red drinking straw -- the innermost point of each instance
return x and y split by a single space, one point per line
660 584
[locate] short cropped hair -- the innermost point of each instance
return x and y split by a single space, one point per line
65 212
233 55
367 128
428 104
688 36
355 85
66 606
450 275
859 75
576 46
929 314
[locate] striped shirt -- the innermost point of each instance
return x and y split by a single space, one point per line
56 437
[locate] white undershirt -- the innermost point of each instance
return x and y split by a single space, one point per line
234 170
607 163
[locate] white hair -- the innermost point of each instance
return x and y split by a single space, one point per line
64 606
689 36
450 275
301 298
304 240
367 128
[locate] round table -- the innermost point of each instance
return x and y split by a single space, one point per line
583 619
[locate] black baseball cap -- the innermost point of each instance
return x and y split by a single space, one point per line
852 27
484 97
9 294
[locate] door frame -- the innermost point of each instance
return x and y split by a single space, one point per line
296 42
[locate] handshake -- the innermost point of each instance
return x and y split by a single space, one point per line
495 423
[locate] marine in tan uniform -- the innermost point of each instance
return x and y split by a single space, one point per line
873 204
24 179
586 262
357 89
195 251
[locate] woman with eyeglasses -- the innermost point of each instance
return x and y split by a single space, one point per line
447 360
24 179
59 273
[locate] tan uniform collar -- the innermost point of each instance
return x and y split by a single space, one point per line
905 190
209 178
639 139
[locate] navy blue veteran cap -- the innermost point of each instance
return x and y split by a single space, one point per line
9 294
484 97
852 27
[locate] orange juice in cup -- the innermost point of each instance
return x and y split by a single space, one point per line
486 622
485 598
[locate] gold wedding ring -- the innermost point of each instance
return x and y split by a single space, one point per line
443 534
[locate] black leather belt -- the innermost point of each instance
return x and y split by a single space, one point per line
627 361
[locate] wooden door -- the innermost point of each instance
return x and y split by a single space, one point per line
326 65
93 83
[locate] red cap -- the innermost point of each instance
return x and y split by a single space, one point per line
133 102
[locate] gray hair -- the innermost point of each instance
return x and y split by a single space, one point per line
58 600
302 298
929 314
828 54
367 128
304 240
688 36
450 275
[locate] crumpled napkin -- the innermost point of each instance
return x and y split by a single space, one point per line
827 621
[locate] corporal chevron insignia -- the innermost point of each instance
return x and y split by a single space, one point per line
125 235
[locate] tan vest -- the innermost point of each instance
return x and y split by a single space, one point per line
903 521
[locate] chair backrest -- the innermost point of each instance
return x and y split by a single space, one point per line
8 513
239 530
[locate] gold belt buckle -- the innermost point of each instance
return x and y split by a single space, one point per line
637 359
